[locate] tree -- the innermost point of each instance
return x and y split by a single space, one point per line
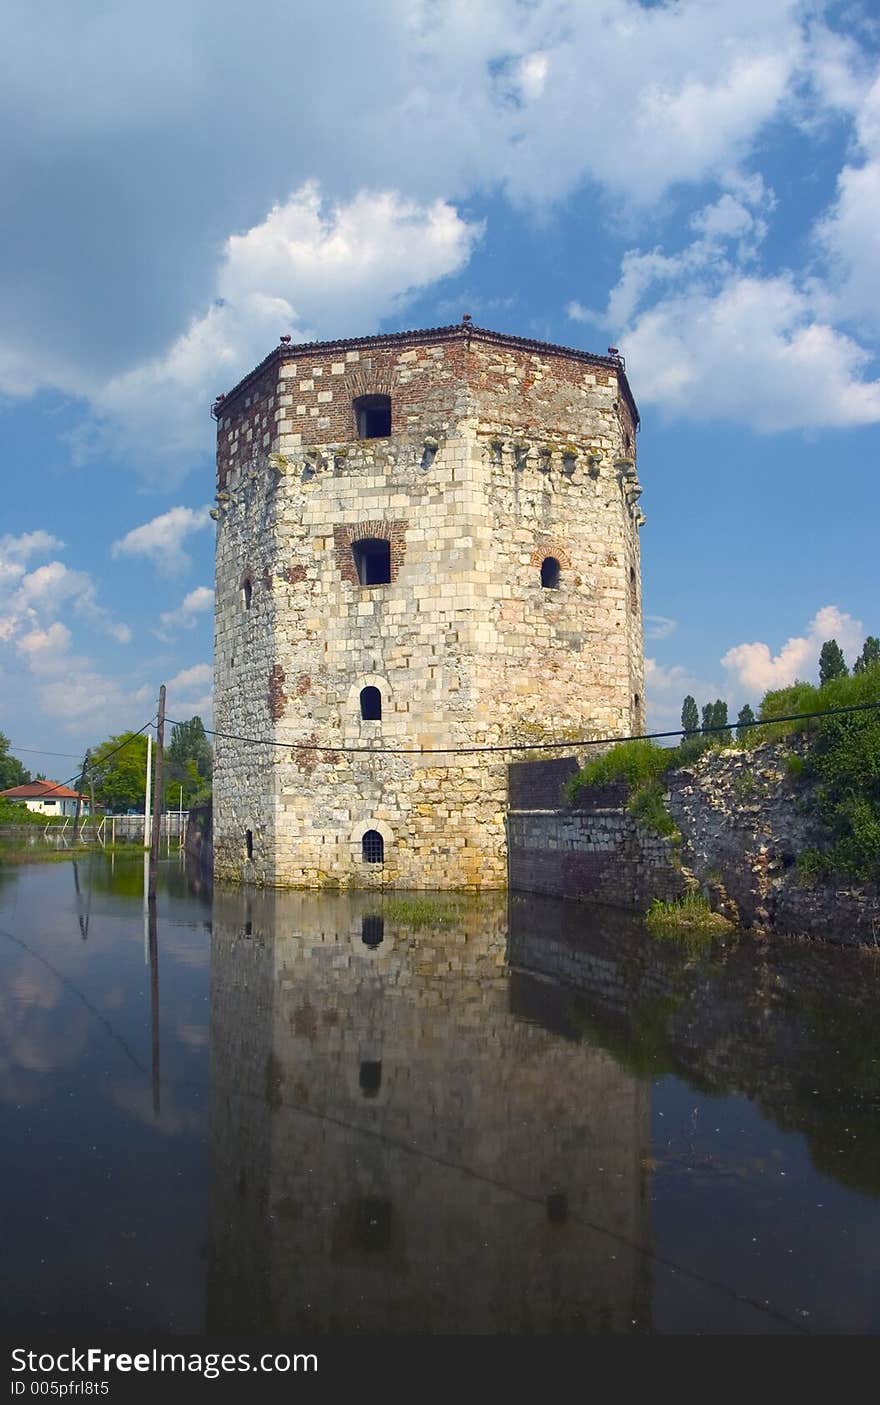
745 716
120 777
690 717
11 770
832 664
189 762
870 655
715 715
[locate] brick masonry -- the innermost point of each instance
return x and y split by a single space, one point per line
502 452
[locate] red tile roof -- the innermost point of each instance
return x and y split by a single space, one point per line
36 790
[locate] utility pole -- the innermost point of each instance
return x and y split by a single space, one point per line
147 811
79 796
157 796
92 795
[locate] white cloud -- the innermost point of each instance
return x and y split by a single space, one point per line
706 339
31 598
194 604
21 549
190 693
659 626
311 269
161 539
435 102
848 233
755 669
666 688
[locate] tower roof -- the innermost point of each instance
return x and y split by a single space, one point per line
459 331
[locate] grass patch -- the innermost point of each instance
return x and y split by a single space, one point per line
689 919
52 854
423 912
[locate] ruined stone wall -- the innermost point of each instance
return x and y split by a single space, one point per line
419 1158
498 458
593 854
743 820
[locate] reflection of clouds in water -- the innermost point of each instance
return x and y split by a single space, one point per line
36 1036
196 1036
136 1099
34 986
188 947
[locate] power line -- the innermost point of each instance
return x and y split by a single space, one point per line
568 743
59 785
38 751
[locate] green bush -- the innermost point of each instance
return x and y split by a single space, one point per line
647 804
10 813
633 762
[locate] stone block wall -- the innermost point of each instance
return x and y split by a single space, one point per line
502 453
743 820
594 855
394 1151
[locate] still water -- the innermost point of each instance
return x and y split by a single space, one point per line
280 1112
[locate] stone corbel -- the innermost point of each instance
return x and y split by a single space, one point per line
279 464
520 454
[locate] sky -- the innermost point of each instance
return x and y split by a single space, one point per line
696 183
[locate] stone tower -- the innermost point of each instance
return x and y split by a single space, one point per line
427 546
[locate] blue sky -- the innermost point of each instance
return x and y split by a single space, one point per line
696 183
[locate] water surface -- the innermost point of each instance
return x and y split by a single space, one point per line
284 1112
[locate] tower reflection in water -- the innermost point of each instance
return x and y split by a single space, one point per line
399 1145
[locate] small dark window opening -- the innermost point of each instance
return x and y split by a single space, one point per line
557 1207
373 416
371 1077
371 705
372 930
550 573
247 590
373 847
249 842
249 929
637 699
372 560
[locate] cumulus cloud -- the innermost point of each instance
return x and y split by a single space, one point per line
161 539
187 614
708 338
848 232
190 692
30 599
666 687
20 549
755 668
311 268
426 100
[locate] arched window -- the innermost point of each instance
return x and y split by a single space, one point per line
373 847
371 705
371 1077
372 560
247 590
372 930
550 573
372 415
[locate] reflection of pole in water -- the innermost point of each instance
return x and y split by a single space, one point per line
83 919
154 1002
